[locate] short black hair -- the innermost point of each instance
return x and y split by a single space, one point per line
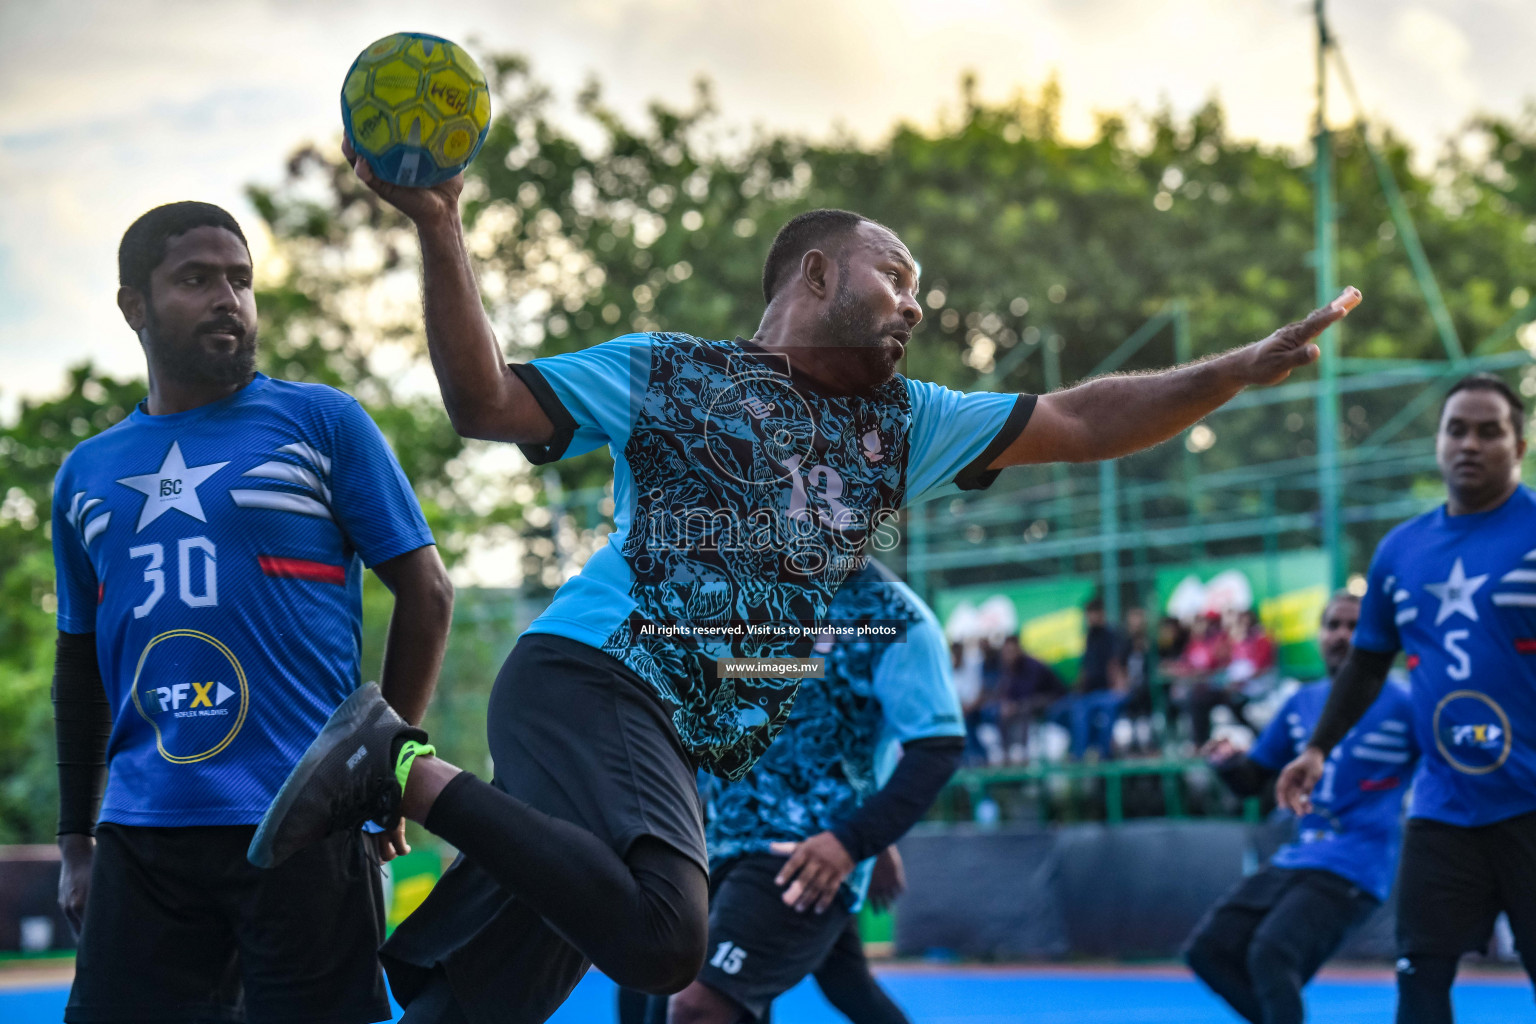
814 229
1342 594
1489 382
1094 604
143 245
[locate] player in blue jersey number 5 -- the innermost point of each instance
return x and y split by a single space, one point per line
209 551
1455 590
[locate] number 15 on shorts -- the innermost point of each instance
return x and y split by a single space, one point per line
728 957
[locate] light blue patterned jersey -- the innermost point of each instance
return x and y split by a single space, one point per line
832 754
743 496
217 555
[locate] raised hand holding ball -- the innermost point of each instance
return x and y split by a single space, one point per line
416 107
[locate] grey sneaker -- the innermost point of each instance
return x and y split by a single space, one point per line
346 777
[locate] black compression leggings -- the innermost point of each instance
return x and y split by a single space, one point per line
1424 989
845 979
643 919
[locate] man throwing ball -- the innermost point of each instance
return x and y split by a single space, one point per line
748 475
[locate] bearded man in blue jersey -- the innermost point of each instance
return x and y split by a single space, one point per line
1455 590
209 552
1262 943
748 475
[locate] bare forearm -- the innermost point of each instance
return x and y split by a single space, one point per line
1115 416
1126 413
483 398
418 636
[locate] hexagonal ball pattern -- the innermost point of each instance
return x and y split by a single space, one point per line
372 131
395 84
417 107
449 91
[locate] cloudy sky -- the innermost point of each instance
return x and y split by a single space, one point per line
109 107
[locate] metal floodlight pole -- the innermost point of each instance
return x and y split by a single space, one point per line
1325 264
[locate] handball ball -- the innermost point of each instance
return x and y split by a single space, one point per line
416 107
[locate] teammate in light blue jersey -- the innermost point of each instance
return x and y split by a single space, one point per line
748 476
209 552
1455 590
1263 942
793 844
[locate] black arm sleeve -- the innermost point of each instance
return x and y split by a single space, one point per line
1354 690
924 768
1242 776
82 724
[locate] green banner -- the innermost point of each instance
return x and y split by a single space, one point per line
1047 615
1289 591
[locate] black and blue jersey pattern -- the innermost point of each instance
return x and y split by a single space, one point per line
836 748
743 496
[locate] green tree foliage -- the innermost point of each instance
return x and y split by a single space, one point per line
590 227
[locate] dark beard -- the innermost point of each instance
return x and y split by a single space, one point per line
188 363
855 330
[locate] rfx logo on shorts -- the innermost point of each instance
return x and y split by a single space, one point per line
728 958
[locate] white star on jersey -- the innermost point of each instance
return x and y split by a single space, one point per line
173 486
1455 594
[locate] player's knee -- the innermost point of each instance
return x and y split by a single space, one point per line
700 1004
662 967
1272 961
1425 975
1203 953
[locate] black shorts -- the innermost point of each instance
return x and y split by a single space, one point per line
1305 912
1454 881
759 947
577 735
180 927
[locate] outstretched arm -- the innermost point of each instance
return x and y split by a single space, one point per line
1354 690
483 397
1113 416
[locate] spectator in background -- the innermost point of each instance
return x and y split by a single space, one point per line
967 663
1202 678
1172 639
1089 713
1254 669
1136 648
1022 689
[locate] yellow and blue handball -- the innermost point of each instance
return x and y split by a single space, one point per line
416 107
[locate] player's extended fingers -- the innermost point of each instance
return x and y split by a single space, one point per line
791 867
793 894
1320 320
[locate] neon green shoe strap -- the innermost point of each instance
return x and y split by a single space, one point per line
409 750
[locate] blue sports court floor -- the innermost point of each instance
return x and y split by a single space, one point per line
968 995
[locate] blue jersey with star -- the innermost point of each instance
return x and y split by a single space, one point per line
830 756
1457 594
743 495
217 555
1355 827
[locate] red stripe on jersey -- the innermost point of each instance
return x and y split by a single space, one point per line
302 569
1413 662
1525 644
1377 785
101 592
